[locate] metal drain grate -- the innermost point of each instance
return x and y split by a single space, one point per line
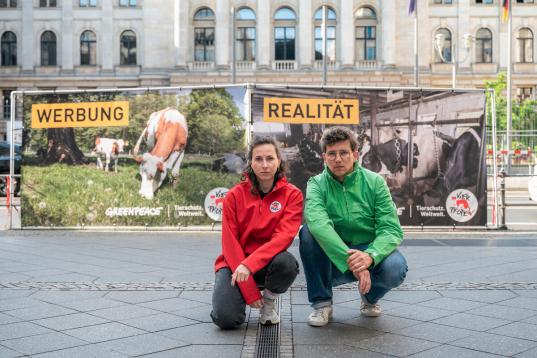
268 339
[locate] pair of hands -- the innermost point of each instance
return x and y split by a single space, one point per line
358 263
241 274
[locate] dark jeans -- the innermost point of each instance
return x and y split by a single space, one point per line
321 274
229 307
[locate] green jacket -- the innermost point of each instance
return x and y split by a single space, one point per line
358 211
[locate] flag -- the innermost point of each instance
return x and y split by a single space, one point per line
411 6
505 12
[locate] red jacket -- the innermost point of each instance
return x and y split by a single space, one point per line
254 230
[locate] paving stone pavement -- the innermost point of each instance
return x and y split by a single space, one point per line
95 294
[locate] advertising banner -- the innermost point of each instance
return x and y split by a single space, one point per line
428 145
132 157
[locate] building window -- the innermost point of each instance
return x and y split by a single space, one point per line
446 49
127 52
331 22
525 1
127 3
524 93
9 49
204 22
47 3
87 3
88 48
445 2
284 34
48 49
8 3
484 1
245 35
483 46
525 45
366 34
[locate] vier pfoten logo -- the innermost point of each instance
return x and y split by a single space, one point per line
275 206
214 203
461 205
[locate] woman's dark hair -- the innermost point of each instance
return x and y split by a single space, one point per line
249 172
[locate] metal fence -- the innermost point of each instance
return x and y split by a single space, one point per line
521 159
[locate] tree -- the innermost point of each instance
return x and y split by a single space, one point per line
214 121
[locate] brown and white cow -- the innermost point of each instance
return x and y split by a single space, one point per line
110 148
166 136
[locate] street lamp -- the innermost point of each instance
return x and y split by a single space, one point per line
439 43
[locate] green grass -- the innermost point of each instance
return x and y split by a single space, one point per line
65 195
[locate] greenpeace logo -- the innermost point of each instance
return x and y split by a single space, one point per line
133 211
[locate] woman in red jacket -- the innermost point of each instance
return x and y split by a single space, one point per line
262 215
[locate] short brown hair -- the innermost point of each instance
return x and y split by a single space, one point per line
337 134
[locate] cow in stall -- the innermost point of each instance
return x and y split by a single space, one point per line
166 136
110 149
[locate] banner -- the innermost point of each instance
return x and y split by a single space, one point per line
131 158
428 145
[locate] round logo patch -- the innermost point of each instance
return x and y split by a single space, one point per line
275 206
214 203
461 205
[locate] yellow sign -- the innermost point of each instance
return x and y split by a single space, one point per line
311 110
80 115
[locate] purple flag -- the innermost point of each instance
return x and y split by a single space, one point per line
411 6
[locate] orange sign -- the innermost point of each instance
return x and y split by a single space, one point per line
311 110
80 115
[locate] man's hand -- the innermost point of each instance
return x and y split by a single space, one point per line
364 278
257 304
358 260
240 275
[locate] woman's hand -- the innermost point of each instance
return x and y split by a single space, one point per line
240 275
257 304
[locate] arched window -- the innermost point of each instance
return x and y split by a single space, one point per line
524 41
204 22
88 48
483 46
245 34
127 50
284 34
9 49
331 22
48 49
366 34
446 47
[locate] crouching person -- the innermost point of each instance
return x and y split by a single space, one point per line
261 216
352 230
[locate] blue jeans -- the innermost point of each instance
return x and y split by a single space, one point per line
322 274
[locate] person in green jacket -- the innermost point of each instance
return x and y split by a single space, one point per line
352 230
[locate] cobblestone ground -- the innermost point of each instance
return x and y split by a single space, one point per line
83 294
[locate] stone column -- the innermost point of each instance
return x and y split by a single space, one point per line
222 34
388 22
264 34
108 38
67 52
26 57
180 33
346 40
304 42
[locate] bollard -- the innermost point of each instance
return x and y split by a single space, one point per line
502 199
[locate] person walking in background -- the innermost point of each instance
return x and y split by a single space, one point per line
261 216
352 230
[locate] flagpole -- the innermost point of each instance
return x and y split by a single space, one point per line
233 47
509 104
416 62
323 30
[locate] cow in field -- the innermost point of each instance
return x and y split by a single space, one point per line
166 136
110 149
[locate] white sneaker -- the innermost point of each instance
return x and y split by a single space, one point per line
370 309
268 314
320 316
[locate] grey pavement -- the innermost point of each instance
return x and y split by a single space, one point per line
99 294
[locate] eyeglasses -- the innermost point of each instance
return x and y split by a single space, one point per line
343 154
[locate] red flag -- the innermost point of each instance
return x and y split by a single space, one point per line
505 10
